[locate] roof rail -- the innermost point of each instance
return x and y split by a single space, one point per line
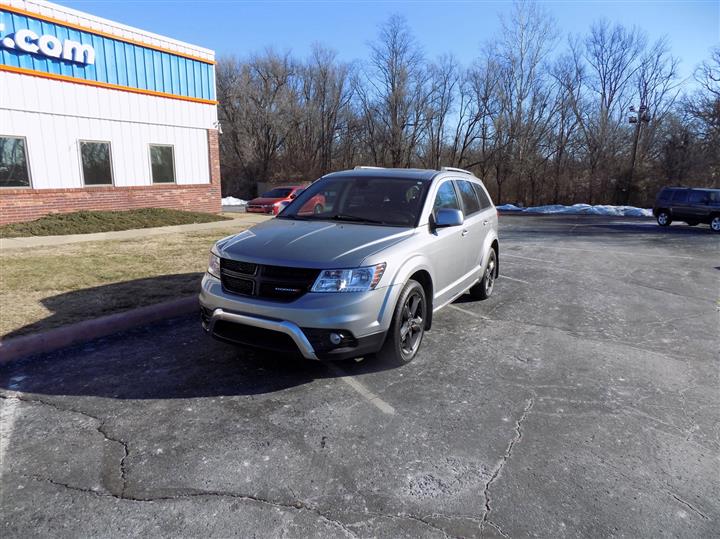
453 169
364 167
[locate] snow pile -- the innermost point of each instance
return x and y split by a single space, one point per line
232 201
581 209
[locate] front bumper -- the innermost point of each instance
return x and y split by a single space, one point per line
365 315
259 209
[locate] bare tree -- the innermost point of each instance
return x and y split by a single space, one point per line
393 96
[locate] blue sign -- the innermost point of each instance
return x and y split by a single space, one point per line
30 43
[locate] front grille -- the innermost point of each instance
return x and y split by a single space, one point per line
272 282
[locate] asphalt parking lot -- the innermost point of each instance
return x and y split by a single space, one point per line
582 399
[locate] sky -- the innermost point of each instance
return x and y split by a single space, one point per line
459 27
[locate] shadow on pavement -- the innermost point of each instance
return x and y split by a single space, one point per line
172 360
88 303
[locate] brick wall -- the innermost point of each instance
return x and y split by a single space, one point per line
27 204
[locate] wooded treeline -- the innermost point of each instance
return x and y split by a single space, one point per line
540 118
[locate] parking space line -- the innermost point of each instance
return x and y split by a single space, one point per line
503 276
8 417
361 389
527 258
476 315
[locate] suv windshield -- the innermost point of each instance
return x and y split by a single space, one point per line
377 201
278 192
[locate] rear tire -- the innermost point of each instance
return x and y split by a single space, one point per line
663 218
407 327
484 288
715 223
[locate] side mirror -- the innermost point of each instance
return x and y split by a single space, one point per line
445 217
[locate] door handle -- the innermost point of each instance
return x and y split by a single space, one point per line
464 232
485 222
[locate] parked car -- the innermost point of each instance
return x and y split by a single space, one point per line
364 275
272 201
690 205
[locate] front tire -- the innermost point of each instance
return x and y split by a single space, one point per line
484 288
407 327
663 218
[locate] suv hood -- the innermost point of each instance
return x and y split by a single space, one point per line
310 244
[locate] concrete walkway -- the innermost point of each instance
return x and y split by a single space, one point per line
240 219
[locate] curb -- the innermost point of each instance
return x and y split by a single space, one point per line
87 330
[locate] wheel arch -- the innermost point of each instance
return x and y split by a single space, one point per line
423 277
496 246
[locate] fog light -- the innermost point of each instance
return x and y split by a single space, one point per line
335 338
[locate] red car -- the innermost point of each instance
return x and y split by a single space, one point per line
275 200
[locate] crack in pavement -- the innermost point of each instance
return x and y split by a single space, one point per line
501 465
123 495
690 506
101 429
296 506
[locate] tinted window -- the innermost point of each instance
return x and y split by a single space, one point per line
666 194
714 197
96 164
698 197
680 196
279 192
446 197
383 201
13 163
469 199
162 164
482 196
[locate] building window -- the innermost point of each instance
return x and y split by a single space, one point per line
96 162
162 163
14 170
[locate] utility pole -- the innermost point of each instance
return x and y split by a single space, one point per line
638 118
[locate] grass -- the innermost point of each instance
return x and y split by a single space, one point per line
87 222
47 287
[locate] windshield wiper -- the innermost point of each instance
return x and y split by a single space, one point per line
355 219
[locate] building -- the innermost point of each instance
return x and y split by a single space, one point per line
96 115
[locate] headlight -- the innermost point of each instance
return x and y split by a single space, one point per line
349 280
214 265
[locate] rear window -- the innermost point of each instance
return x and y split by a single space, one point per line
697 197
666 194
482 196
469 199
278 192
680 196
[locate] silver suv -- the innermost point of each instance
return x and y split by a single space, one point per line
362 276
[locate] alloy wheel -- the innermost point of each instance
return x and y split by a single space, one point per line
412 324
489 279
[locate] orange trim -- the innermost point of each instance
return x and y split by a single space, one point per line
19 11
65 78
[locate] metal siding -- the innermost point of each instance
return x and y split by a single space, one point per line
54 158
116 62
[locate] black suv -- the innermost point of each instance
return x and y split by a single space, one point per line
690 205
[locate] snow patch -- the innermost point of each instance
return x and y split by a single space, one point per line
581 209
232 201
